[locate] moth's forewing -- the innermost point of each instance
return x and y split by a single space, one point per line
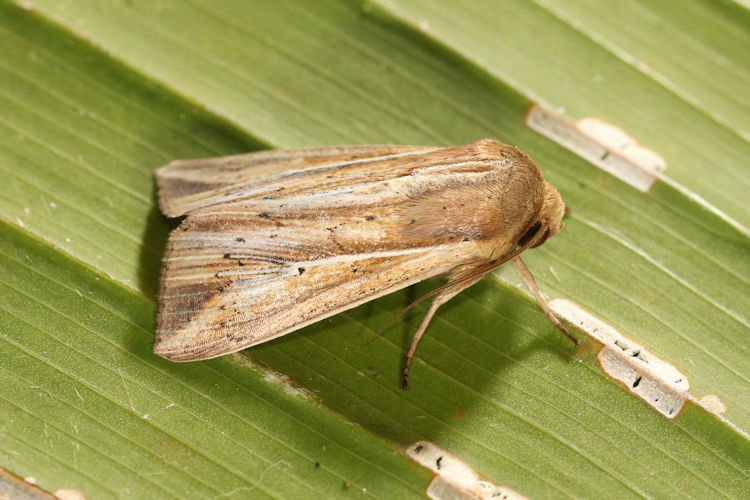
233 294
268 248
187 185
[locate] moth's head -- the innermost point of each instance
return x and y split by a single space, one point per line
549 221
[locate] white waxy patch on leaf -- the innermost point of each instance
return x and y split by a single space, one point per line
712 403
69 494
602 144
453 478
655 381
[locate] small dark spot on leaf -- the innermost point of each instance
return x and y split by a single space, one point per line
264 215
223 307
369 217
300 270
226 255
438 462
240 240
418 449
637 381
317 465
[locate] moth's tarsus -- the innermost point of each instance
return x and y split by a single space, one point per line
562 328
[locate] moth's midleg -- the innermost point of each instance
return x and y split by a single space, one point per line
415 340
525 274
448 293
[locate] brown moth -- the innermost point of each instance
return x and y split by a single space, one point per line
276 240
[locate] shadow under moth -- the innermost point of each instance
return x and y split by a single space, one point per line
276 240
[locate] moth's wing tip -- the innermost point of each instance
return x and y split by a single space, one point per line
179 181
165 347
187 344
175 347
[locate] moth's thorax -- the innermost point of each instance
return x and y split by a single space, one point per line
496 198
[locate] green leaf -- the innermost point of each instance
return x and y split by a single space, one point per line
94 96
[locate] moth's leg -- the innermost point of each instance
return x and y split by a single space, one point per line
528 279
448 293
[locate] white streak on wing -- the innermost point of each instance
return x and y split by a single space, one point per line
338 196
226 274
238 191
292 266
212 244
363 160
337 259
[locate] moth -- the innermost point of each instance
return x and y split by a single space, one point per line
276 240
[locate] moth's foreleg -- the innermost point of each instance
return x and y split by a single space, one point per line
528 279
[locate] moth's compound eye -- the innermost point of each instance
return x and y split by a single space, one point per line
529 234
543 238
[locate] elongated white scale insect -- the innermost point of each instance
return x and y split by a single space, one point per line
276 240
